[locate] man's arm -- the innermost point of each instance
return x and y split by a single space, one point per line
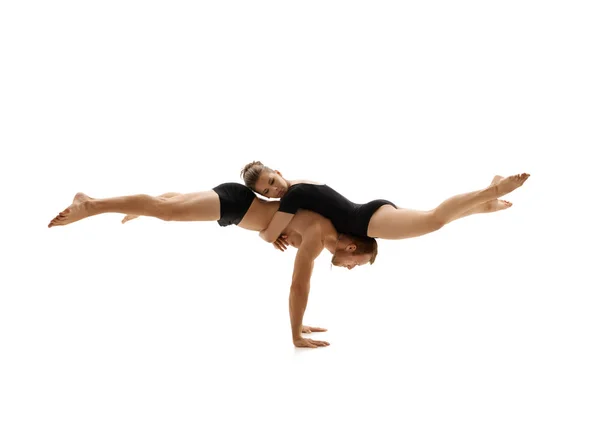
311 247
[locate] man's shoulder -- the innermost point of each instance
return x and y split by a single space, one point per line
314 228
312 238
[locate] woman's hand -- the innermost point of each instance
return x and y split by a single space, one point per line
281 243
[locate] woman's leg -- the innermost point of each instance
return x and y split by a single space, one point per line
391 223
129 217
199 206
489 206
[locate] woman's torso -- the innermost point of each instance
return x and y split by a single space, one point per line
259 215
346 216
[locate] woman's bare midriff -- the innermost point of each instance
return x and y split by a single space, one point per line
259 215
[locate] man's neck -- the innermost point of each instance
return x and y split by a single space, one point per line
331 241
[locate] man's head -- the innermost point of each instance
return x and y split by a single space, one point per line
352 251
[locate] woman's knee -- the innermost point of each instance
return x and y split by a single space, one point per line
435 221
164 208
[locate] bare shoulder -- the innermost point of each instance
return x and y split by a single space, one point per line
312 240
311 218
294 238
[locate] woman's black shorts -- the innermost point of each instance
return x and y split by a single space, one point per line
235 200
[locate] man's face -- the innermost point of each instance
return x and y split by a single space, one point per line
271 184
348 260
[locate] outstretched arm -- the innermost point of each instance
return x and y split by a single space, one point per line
311 247
276 226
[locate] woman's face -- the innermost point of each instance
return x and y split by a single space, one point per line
271 184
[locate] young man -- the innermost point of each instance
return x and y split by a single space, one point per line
235 204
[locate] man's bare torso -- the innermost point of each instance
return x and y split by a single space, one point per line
305 219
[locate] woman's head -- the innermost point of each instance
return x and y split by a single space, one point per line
264 180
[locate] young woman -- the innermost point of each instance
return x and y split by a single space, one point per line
377 219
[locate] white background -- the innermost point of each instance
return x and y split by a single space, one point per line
489 326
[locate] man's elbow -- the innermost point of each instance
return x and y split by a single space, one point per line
299 289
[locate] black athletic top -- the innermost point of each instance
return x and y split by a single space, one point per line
346 216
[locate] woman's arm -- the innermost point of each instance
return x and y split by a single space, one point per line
276 226
291 202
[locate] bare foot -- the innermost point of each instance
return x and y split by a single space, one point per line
492 206
496 179
78 210
129 217
508 184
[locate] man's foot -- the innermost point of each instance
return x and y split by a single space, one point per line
508 184
78 210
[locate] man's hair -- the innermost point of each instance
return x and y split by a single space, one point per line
365 245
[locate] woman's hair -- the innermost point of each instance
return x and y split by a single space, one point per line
251 172
365 245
